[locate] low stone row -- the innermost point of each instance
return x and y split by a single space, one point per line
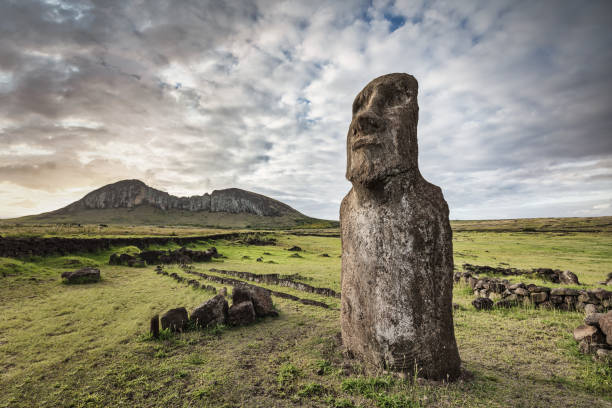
236 282
248 303
595 300
180 279
595 335
547 274
275 279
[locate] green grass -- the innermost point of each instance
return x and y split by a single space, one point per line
88 345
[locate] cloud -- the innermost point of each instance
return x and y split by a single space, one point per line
515 97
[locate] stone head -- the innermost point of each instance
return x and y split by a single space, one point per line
382 137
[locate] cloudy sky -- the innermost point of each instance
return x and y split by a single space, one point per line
515 99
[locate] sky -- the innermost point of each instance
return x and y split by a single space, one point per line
190 96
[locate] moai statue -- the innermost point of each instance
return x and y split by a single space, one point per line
397 254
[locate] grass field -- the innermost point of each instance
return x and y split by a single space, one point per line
87 345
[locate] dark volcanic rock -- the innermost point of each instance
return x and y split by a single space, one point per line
482 303
210 313
175 319
397 259
241 313
241 294
262 302
85 275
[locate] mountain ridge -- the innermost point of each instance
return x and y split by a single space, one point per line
132 193
132 202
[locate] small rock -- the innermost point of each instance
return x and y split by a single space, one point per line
521 292
482 303
516 286
456 306
223 292
241 314
85 275
212 312
259 259
588 333
568 278
174 319
604 354
589 309
295 248
539 297
325 255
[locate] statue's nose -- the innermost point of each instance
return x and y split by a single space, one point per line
368 122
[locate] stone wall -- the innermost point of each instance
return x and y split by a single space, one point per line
541 296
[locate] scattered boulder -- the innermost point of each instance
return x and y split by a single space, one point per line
241 313
260 259
85 275
324 255
296 255
175 319
212 312
482 303
262 302
568 278
295 248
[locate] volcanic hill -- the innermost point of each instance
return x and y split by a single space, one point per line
133 202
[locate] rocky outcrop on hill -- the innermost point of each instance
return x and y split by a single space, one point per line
133 193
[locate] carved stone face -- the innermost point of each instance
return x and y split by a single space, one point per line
381 140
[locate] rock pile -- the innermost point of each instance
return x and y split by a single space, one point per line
247 304
595 336
179 256
85 275
547 274
541 296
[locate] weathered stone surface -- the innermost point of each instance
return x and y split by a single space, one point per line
588 333
539 297
521 292
84 275
212 312
262 302
593 319
605 324
482 303
589 309
568 278
604 353
241 313
174 319
397 260
241 294
564 292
